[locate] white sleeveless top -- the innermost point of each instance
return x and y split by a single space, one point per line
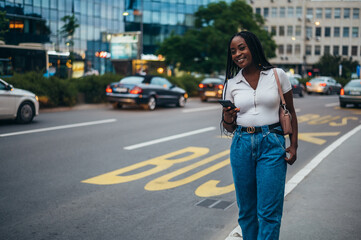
257 107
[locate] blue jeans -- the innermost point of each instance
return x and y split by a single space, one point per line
259 173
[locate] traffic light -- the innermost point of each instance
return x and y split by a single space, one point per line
309 74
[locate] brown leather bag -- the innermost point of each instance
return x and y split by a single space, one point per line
285 116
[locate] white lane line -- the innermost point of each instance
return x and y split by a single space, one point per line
332 104
202 109
59 127
300 175
165 139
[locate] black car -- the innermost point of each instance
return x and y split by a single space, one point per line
147 91
210 88
297 87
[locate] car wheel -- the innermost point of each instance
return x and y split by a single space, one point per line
342 104
203 99
181 101
117 105
152 103
301 93
309 93
328 92
25 113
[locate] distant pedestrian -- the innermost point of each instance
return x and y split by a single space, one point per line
258 153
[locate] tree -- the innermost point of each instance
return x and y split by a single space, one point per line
4 24
68 29
204 47
329 66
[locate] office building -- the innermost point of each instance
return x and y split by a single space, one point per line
308 29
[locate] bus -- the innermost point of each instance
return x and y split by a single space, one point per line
27 57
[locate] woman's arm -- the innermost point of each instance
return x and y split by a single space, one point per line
292 149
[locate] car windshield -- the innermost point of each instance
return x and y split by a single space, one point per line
212 80
318 80
354 84
132 80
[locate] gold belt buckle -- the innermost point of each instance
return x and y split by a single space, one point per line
251 129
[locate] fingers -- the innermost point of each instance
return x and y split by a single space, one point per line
292 156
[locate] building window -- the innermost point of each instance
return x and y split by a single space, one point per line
327 32
274 12
273 30
337 12
290 12
309 32
336 50
309 13
289 49
317 50
298 30
326 50
356 13
318 32
328 13
298 49
345 50
346 13
258 11
308 50
289 30
319 13
354 50
280 49
346 32
282 12
281 31
355 32
336 31
299 12
265 12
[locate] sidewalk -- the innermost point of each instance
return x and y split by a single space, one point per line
326 204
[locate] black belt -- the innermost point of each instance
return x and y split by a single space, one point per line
259 129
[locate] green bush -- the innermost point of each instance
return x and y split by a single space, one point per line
188 83
93 87
58 92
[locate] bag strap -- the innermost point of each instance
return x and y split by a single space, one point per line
279 87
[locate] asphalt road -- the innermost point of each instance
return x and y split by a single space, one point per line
99 173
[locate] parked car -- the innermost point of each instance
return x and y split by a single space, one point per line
147 91
324 85
351 93
210 88
297 87
17 103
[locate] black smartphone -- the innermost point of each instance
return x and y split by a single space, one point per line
227 103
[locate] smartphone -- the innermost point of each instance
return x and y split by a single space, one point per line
227 103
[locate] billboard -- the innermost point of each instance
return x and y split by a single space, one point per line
124 46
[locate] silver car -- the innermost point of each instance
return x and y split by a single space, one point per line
351 93
17 104
324 85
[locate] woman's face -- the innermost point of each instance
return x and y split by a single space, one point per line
241 55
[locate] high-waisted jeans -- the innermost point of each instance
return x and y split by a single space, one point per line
259 173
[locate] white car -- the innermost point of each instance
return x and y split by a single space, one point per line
17 104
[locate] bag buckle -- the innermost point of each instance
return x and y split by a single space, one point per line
251 129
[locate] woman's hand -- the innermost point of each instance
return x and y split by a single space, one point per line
292 151
229 115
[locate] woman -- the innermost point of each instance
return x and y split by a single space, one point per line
258 153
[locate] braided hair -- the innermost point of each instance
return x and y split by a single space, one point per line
258 57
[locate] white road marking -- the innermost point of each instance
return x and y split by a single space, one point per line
165 139
300 175
202 109
331 104
59 127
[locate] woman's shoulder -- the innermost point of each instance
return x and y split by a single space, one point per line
237 78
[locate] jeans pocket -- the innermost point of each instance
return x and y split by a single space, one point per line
280 140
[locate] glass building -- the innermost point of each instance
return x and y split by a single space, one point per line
39 21
160 18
